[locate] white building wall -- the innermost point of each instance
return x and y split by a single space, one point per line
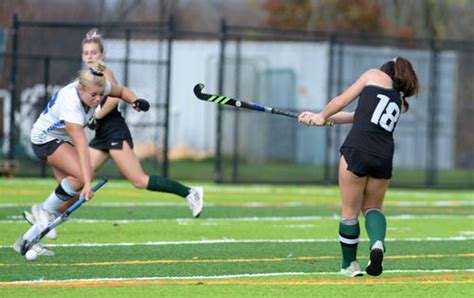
192 122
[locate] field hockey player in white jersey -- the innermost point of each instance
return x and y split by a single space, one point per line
58 137
113 140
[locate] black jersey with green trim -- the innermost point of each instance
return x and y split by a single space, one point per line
375 119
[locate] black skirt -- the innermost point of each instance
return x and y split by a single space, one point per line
110 133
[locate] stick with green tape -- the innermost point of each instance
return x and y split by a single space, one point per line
225 100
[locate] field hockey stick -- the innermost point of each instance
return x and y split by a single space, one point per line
27 245
225 100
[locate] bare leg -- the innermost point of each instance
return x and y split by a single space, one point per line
66 161
98 158
130 166
375 223
352 190
374 193
352 193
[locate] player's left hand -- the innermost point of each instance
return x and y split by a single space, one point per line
317 119
141 105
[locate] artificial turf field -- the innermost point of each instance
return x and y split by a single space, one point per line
250 241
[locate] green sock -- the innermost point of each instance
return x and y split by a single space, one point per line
376 226
349 231
163 184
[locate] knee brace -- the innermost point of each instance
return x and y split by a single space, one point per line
64 191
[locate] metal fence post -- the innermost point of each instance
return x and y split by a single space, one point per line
126 66
46 62
166 125
432 137
13 87
327 152
235 159
218 157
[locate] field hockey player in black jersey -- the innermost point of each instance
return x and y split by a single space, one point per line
365 166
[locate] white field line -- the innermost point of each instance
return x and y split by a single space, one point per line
306 190
40 281
21 220
442 203
237 241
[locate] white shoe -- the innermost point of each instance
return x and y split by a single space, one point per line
44 218
352 270
18 244
195 200
42 251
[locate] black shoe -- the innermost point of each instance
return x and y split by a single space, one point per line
375 267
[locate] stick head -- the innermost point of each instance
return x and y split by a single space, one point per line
198 91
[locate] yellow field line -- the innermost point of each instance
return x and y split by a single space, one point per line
427 279
251 260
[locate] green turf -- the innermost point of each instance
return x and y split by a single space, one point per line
244 231
269 171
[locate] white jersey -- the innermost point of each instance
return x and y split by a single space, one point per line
64 106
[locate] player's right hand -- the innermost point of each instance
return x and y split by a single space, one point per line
87 192
92 123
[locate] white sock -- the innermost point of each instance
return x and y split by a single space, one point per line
52 203
32 232
378 244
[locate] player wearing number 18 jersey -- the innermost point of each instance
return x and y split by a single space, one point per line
365 166
368 148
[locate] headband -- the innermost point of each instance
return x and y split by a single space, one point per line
96 73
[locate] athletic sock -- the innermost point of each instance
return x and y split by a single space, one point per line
32 232
61 194
163 184
349 231
376 226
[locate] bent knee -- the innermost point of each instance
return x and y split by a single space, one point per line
139 182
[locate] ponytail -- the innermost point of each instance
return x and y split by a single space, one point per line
404 78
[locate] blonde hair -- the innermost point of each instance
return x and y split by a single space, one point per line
93 36
93 76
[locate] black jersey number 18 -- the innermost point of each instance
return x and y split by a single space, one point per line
386 113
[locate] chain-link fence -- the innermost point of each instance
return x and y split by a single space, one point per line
303 70
295 70
46 56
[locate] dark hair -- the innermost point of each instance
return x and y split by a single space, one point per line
404 77
93 36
